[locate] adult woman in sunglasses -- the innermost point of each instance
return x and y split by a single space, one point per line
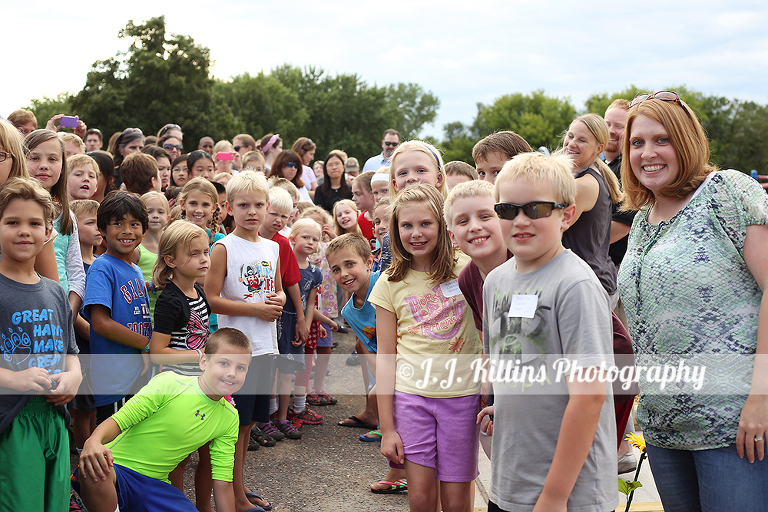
589 236
287 165
692 283
172 145
130 141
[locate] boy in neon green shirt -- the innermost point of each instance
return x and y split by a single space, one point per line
160 426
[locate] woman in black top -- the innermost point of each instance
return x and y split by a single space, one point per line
334 186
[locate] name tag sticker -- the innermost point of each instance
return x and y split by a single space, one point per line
451 288
523 306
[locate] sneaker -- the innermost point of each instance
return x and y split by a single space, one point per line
309 417
627 463
314 399
287 428
328 399
271 430
260 438
353 360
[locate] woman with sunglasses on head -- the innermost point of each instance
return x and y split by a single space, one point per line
173 130
692 283
130 141
287 165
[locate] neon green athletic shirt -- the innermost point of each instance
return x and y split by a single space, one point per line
167 420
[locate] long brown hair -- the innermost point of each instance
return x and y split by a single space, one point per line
59 191
444 258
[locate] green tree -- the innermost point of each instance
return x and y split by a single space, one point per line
458 143
539 119
412 107
160 79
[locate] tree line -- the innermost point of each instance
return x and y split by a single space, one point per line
166 78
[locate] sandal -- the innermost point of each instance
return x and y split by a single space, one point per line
260 438
393 487
253 495
367 439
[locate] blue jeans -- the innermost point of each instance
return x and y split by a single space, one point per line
709 480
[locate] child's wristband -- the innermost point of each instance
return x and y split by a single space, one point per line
200 354
146 349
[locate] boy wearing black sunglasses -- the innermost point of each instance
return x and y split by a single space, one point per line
554 432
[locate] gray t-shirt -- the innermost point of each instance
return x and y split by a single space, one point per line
571 316
36 327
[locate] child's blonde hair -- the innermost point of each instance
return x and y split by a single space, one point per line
27 189
443 257
286 185
248 181
82 160
280 200
177 235
427 149
536 168
146 198
82 206
206 187
10 142
73 139
472 188
305 223
253 156
337 226
320 212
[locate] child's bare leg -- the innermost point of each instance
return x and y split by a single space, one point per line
177 475
321 367
360 349
83 425
203 480
422 487
456 496
284 385
238 480
100 496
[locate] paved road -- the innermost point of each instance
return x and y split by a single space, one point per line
329 468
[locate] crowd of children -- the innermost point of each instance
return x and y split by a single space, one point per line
200 294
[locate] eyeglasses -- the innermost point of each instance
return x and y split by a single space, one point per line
535 210
291 165
173 146
391 144
4 156
661 95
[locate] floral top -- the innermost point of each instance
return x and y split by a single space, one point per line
689 295
327 296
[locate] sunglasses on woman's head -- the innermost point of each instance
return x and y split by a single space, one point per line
535 210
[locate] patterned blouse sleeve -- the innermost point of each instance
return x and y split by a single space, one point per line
737 203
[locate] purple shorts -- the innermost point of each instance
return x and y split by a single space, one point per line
440 433
328 340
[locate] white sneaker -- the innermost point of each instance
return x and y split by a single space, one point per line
627 463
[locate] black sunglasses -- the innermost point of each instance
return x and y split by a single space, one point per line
392 144
173 146
535 210
132 130
168 127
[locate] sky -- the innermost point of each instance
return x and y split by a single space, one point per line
464 52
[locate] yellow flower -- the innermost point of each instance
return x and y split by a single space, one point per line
636 440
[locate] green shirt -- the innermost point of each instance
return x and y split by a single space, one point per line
167 420
689 295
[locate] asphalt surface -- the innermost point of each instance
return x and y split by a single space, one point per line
329 468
